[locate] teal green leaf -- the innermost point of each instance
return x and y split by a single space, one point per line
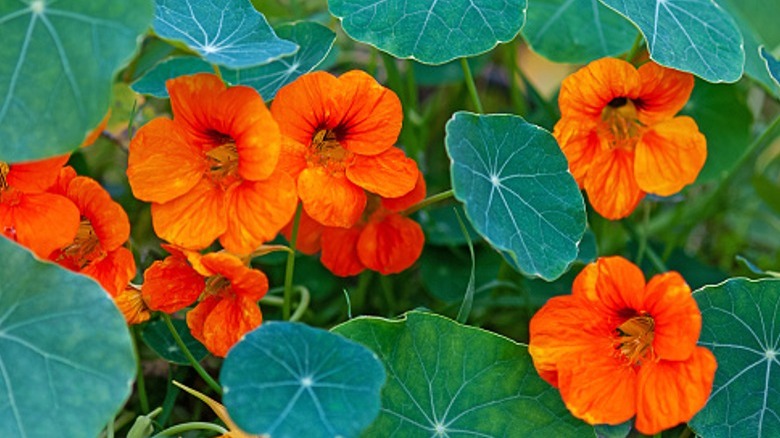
696 36
621 430
741 326
441 226
448 379
57 62
588 249
772 64
315 41
519 194
431 31
290 380
66 359
158 337
576 31
225 32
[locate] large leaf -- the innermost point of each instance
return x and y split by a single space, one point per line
576 31
66 359
518 191
696 36
741 325
431 31
447 379
290 380
57 62
772 65
225 32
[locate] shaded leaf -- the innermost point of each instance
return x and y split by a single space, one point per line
153 82
157 336
772 64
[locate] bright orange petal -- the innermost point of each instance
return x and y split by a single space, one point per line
390 244
339 251
389 174
292 158
193 99
130 302
244 281
586 92
42 222
672 392
309 232
114 271
330 199
257 211
403 202
67 174
611 186
669 156
677 318
225 322
307 105
579 141
193 220
106 216
35 176
614 285
663 92
162 165
171 285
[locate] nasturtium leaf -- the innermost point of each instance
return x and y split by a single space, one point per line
741 326
441 227
445 271
576 31
57 62
225 32
290 380
696 36
448 379
447 73
621 430
66 359
153 82
588 249
519 194
772 64
159 338
431 31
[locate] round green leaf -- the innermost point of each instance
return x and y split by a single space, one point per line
66 359
696 36
772 64
448 379
225 32
518 191
576 31
158 337
741 326
57 61
431 31
290 380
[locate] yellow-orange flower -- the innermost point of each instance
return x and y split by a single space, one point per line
132 305
619 132
338 144
211 171
619 347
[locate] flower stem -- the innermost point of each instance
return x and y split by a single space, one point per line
515 96
195 364
428 201
195 425
143 400
289 270
387 289
218 72
303 305
471 85
642 244
635 48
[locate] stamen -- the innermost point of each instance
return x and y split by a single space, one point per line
85 247
223 164
635 338
621 125
4 169
326 150
216 285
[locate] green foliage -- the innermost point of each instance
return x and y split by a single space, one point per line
158 337
57 62
287 379
772 65
66 359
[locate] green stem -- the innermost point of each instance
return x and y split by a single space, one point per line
387 290
110 428
635 48
140 381
653 256
303 305
195 425
472 87
640 253
289 270
195 364
685 433
428 201
515 96
359 297
218 72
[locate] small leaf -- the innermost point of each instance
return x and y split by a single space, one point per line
576 31
519 194
288 379
741 326
157 336
617 431
57 61
153 82
225 32
431 31
66 358
696 36
772 64
448 379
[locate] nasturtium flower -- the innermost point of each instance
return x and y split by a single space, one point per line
132 305
338 144
620 135
211 172
618 347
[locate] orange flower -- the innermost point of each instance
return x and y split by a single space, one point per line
97 249
620 135
339 135
132 305
40 221
618 347
211 171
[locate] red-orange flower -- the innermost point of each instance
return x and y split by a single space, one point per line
619 132
40 221
339 135
97 249
618 347
211 171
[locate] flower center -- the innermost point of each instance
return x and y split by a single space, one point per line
85 247
635 338
621 126
216 285
326 151
4 169
223 164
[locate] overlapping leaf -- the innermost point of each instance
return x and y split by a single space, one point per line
741 325
772 65
66 359
431 31
159 338
696 36
518 191
448 379
57 61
